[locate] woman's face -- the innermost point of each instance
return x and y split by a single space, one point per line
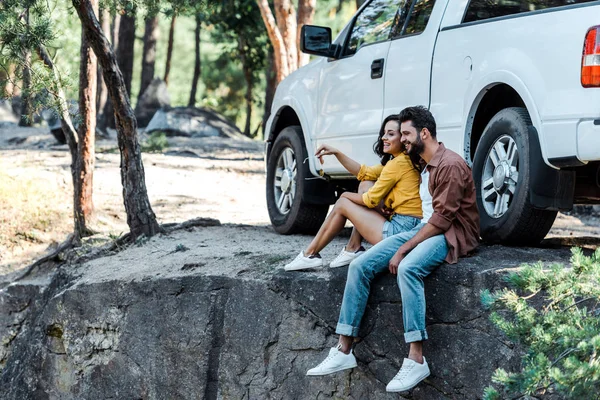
391 139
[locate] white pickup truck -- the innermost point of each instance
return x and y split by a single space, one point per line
514 86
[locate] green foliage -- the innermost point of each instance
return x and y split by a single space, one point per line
561 334
156 143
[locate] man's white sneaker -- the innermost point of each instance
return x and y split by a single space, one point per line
346 257
409 376
303 262
335 361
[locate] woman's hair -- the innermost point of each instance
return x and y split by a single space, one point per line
378 146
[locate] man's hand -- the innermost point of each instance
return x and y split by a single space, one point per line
398 257
385 211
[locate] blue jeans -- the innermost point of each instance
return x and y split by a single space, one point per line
417 264
398 224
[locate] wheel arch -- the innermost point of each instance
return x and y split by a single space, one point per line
286 116
487 103
499 88
550 188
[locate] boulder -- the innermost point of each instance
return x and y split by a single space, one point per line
217 323
6 112
192 122
52 119
153 99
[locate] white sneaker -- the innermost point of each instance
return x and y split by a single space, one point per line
303 262
409 376
346 257
335 361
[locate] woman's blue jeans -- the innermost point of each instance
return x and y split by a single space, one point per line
417 264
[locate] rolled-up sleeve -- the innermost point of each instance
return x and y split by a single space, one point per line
448 193
389 176
367 173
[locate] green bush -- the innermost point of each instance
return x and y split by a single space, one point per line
156 143
560 335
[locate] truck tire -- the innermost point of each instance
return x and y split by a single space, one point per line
502 172
286 174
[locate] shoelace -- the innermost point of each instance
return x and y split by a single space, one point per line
331 355
403 372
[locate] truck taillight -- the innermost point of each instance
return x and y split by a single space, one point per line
590 61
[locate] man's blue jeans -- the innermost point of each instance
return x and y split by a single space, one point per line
417 264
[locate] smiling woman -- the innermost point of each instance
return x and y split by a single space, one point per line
387 201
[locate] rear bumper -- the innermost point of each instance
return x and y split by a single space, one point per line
573 153
588 140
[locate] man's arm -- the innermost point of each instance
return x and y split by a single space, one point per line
446 199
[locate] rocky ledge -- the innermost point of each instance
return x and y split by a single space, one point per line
212 321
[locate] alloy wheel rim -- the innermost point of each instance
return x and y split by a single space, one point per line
500 176
284 183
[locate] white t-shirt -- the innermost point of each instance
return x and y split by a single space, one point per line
426 198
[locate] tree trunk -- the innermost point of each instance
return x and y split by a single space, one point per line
151 33
140 217
26 106
63 111
102 95
84 167
287 24
5 78
197 66
114 30
306 13
280 56
359 3
10 89
108 113
126 49
270 88
249 84
170 49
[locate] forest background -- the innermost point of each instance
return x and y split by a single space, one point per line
222 83
226 55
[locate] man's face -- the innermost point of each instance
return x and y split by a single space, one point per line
411 138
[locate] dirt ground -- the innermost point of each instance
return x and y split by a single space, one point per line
219 178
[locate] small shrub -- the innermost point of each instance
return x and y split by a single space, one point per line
561 334
156 143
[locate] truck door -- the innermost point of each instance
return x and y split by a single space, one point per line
408 68
351 88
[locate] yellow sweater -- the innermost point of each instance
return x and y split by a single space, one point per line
397 183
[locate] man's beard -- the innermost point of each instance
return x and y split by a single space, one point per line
417 147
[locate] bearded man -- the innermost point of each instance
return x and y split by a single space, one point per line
449 229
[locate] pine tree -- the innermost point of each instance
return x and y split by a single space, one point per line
554 313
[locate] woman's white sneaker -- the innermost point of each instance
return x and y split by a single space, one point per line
335 361
346 257
409 376
303 262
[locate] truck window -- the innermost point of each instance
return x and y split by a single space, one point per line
478 10
419 16
373 24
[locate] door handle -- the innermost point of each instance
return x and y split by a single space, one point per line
377 68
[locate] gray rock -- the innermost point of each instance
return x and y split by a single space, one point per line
250 335
192 122
52 119
6 112
155 97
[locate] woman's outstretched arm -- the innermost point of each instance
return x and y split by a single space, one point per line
352 166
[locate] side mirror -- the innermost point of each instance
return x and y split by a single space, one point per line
316 40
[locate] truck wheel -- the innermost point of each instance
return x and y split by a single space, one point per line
501 170
286 174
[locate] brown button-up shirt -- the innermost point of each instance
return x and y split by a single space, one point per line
453 200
